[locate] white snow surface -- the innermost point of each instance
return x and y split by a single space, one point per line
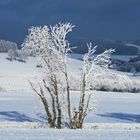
51 134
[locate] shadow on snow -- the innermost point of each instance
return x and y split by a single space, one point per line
16 116
123 116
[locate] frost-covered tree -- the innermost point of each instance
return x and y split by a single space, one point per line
52 48
91 64
5 46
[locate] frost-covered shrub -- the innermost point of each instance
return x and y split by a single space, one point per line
118 84
11 54
52 48
30 52
112 83
109 81
20 55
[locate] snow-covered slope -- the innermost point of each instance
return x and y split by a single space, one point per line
14 74
133 45
14 78
21 110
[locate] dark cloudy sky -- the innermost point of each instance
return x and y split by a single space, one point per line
94 19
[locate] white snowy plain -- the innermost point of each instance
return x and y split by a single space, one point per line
117 115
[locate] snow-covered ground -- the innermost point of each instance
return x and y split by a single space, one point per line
50 134
21 106
117 115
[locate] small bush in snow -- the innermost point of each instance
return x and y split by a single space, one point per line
53 49
19 55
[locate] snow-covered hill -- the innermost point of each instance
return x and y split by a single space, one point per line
121 47
134 45
14 74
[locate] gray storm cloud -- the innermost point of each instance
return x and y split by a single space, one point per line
116 19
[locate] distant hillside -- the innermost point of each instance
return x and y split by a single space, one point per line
121 48
136 42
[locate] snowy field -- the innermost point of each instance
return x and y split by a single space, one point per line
117 115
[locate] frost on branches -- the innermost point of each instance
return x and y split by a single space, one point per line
51 46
